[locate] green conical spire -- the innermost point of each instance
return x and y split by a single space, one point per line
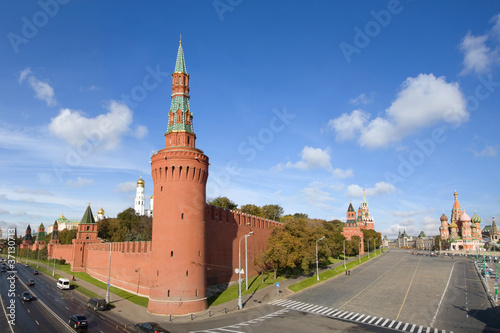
88 218
180 64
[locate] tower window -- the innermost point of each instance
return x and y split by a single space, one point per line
168 293
171 253
182 216
196 292
187 273
88 228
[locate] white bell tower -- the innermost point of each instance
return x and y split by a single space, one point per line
139 197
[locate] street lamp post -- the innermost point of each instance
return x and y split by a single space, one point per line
344 255
240 303
38 256
246 264
374 246
317 268
359 251
109 274
55 254
369 239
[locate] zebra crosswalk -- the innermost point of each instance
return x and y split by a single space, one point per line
243 326
356 317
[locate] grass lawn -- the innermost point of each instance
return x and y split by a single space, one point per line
254 284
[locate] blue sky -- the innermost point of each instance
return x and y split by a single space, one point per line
297 103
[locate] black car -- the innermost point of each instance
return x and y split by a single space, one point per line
26 296
97 304
149 327
78 321
35 272
31 282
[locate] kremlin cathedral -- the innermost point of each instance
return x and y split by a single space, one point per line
463 232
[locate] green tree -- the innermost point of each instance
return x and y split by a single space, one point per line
251 209
223 202
272 212
66 236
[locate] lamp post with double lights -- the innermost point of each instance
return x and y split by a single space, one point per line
240 302
317 269
109 273
374 246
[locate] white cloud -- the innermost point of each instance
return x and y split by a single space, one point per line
361 99
496 27
79 182
477 56
407 214
422 102
488 151
126 187
316 196
430 225
140 131
347 126
30 191
105 130
316 158
43 90
380 188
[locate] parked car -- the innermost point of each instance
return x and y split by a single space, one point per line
149 327
97 304
31 282
26 296
78 321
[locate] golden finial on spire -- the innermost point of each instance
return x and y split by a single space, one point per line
180 38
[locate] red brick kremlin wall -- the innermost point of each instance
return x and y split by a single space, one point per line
130 261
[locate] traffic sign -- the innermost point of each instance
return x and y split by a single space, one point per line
277 284
496 280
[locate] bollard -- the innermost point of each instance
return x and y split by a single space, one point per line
210 313
225 310
170 317
191 316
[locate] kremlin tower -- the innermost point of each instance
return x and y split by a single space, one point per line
180 173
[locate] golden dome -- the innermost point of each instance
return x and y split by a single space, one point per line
101 211
62 216
140 182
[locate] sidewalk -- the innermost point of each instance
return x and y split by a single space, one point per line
128 313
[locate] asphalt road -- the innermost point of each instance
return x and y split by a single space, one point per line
396 291
434 292
51 308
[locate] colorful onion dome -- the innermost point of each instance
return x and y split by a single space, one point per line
476 218
443 218
464 217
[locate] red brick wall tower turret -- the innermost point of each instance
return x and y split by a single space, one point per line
180 173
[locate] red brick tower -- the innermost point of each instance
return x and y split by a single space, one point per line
86 234
180 173
352 228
